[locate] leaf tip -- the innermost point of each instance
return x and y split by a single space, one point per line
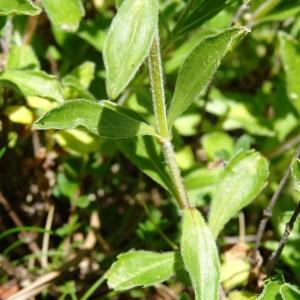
38 124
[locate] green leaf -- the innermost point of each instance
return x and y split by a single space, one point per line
18 7
243 143
77 141
215 142
65 186
185 158
201 178
19 114
34 83
198 12
234 271
289 292
188 124
145 153
296 172
74 89
239 184
140 268
82 201
64 14
128 42
79 80
200 255
94 31
271 291
200 183
21 57
85 73
286 10
104 119
290 56
265 8
199 68
241 295
239 112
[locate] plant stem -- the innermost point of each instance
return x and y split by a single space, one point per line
159 104
157 85
288 229
177 180
94 287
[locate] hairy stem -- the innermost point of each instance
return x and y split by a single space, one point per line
157 85
159 104
177 180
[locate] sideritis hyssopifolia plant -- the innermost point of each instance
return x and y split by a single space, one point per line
134 39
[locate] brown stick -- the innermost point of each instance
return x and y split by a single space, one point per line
30 29
285 146
240 12
273 259
33 246
44 281
267 214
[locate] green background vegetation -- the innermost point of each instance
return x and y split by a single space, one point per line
72 196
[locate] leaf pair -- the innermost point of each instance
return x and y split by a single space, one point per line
128 44
199 254
241 181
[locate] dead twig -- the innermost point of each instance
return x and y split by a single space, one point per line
32 245
267 214
44 281
166 292
285 146
242 227
232 240
240 12
46 239
273 259
30 29
94 235
5 42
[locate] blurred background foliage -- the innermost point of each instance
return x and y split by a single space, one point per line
61 190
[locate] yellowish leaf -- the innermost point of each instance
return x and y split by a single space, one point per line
19 114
